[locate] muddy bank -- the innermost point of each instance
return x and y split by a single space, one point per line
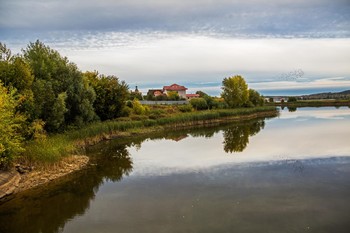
27 178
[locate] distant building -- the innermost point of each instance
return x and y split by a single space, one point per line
192 96
181 90
155 92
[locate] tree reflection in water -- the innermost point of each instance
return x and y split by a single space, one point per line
47 209
236 137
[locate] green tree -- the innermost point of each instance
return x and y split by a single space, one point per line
235 91
53 75
56 119
255 98
16 73
111 95
292 99
10 127
210 100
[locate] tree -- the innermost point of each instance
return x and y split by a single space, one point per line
173 95
235 91
56 119
255 98
292 99
111 95
210 100
53 75
10 127
16 73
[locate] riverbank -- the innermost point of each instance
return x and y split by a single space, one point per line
313 103
52 158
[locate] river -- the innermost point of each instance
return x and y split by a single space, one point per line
290 173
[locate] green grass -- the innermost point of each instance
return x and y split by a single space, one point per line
50 150
55 147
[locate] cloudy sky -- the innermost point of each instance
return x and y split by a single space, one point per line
280 47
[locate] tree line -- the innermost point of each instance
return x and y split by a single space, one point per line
43 92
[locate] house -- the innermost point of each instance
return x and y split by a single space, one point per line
181 90
155 92
192 96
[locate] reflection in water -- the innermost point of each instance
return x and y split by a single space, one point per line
292 109
292 196
48 209
236 138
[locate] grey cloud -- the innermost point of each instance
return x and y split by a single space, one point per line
315 18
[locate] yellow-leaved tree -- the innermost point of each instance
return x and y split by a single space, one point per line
10 127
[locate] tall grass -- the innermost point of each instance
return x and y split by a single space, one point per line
49 150
55 147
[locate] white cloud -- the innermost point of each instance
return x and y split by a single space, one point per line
206 58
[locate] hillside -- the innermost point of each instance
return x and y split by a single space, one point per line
328 95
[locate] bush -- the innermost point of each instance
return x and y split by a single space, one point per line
185 108
199 103
137 107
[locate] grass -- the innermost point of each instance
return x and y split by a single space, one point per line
55 147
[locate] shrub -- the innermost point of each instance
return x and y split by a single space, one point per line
199 103
137 107
185 108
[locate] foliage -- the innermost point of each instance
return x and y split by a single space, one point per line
16 73
111 95
54 75
137 107
210 100
173 95
135 95
10 127
37 131
235 91
292 99
255 98
199 103
185 108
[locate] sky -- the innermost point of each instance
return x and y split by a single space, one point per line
281 47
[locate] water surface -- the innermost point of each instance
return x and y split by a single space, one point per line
286 174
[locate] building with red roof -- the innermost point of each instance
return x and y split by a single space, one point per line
191 96
181 90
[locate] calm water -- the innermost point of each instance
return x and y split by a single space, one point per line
286 174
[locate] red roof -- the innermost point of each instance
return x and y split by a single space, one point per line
157 93
192 95
174 87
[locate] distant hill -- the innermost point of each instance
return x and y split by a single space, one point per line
329 95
